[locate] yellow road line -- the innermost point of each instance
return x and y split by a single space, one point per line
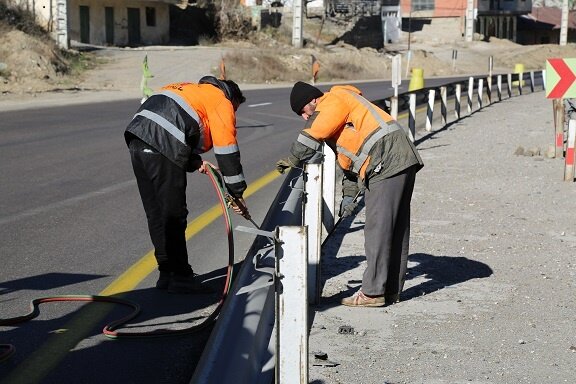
43 360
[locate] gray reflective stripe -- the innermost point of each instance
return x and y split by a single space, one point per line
185 106
226 150
369 106
384 129
168 126
302 139
182 103
234 179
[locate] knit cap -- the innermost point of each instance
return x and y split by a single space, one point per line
303 93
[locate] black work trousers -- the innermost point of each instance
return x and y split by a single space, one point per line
162 187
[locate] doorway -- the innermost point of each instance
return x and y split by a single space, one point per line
134 38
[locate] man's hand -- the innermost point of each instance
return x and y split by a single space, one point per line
203 168
238 205
347 206
283 164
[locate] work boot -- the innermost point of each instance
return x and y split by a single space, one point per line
163 280
359 299
187 284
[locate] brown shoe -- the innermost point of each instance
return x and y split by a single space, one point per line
359 299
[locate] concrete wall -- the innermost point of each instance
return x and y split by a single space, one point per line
45 13
150 35
442 8
43 10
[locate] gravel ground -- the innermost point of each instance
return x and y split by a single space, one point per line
490 294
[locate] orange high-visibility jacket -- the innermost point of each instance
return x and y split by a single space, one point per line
184 120
366 139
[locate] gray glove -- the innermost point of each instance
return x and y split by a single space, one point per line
347 206
289 162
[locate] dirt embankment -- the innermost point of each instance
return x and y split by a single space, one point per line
29 65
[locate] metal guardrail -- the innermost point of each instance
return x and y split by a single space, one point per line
241 348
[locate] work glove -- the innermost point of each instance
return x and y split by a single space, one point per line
194 163
347 206
283 164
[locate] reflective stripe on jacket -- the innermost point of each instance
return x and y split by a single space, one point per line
354 128
184 120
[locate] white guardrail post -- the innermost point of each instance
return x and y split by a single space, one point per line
328 191
443 106
430 109
291 306
313 220
470 93
412 117
569 160
457 99
480 96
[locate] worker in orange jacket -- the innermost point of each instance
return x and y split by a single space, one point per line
375 153
166 137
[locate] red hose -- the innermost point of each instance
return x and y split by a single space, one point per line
110 330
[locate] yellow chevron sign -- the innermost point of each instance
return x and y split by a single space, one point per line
560 78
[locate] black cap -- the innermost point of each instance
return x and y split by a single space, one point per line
303 93
230 89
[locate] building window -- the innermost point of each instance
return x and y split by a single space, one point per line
150 16
422 5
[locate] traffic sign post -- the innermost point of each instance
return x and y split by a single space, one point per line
396 81
561 84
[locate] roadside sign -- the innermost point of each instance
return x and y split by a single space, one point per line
560 78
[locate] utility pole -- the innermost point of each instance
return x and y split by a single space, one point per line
564 23
62 24
297 23
469 20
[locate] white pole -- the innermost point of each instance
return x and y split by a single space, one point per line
569 167
297 10
564 23
443 107
480 92
412 117
292 316
312 219
430 111
328 190
469 20
470 93
62 24
457 100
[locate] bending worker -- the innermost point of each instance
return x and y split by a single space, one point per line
374 149
166 137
